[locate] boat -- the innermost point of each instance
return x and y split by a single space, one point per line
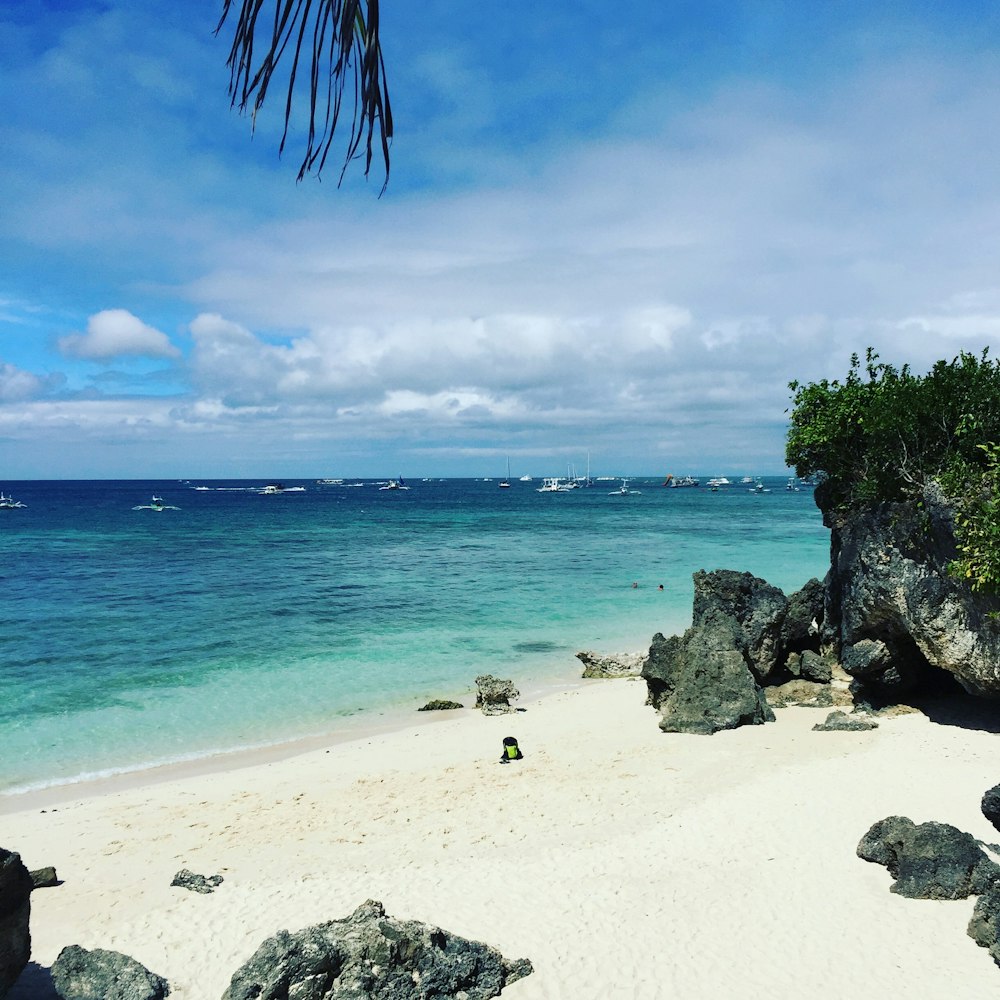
624 491
553 484
9 503
791 485
525 479
747 480
395 484
155 504
676 483
759 488
329 482
504 483
272 488
716 481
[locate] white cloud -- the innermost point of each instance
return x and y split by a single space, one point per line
17 385
116 333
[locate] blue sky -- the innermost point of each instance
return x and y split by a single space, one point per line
609 230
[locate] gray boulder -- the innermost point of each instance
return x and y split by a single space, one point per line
984 926
369 956
929 860
196 883
494 695
899 621
702 683
44 878
78 974
440 705
991 805
611 664
15 911
840 722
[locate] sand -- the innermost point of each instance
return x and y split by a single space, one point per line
624 862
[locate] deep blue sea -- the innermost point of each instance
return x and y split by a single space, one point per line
131 638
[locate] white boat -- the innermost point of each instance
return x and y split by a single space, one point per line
395 484
329 482
678 483
553 484
716 481
792 485
272 488
525 479
624 491
9 503
759 488
155 504
504 483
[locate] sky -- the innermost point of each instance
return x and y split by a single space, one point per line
611 234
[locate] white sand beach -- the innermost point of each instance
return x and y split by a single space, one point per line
622 861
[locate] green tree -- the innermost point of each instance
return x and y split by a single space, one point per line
337 41
883 433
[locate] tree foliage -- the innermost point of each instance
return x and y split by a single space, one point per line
338 41
883 433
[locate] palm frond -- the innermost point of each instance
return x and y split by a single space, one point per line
337 41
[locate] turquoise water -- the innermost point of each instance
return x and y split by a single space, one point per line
131 638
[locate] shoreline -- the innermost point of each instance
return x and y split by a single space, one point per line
622 861
363 725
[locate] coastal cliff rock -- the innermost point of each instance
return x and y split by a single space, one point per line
15 910
898 621
929 860
984 926
79 974
369 956
990 805
745 634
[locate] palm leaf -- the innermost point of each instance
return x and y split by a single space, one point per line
337 41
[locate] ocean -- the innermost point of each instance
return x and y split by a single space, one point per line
135 638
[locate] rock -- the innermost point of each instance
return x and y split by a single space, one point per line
991 805
196 883
840 722
78 974
899 621
807 694
814 667
44 878
930 860
984 927
802 622
15 911
611 664
370 956
494 696
756 608
440 705
706 684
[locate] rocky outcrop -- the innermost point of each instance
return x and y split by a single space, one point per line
610 664
78 974
440 705
929 860
984 927
369 956
494 695
44 878
185 879
744 635
15 910
990 805
898 621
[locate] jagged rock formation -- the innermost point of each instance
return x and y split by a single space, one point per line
610 664
78 974
899 623
929 860
370 956
15 910
744 634
196 883
440 705
494 695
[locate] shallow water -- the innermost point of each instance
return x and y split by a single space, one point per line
130 638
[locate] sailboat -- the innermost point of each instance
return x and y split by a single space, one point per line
504 483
